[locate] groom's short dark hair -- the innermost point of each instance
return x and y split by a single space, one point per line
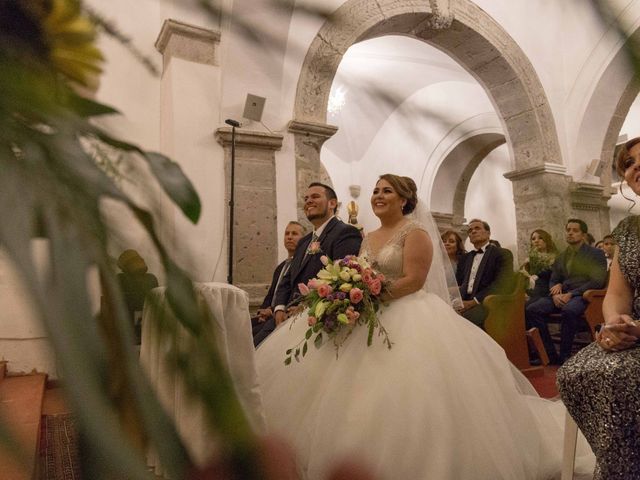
329 192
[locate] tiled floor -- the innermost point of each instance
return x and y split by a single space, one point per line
545 384
21 407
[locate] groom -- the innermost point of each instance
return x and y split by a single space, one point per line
330 237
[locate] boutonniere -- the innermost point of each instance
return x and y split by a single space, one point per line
314 248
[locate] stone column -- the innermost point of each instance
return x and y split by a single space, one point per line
189 106
308 140
255 243
541 196
589 203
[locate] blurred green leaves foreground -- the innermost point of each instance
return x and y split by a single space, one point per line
51 187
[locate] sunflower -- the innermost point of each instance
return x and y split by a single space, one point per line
71 39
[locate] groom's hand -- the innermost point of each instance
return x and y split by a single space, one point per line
466 305
264 314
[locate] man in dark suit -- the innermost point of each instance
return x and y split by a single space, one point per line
292 235
579 268
330 237
481 272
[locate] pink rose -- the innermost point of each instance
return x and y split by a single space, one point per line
352 315
381 277
312 321
304 290
313 284
367 276
375 286
355 295
324 259
324 290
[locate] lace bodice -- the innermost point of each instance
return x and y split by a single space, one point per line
388 259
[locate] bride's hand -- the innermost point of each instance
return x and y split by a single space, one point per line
280 316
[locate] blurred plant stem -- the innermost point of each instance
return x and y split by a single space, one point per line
51 186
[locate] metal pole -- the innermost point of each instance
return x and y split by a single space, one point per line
231 203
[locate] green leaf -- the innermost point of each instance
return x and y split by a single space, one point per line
175 184
288 352
318 340
304 349
182 298
287 360
86 107
307 335
167 172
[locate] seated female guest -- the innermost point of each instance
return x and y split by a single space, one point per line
537 268
601 384
454 245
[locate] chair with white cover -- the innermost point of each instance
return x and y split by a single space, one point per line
229 309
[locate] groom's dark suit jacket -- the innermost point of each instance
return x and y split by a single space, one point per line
495 268
272 288
337 240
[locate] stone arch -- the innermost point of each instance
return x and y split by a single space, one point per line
469 35
457 168
480 45
612 97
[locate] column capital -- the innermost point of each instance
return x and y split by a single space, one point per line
552 168
312 128
250 138
587 196
188 42
448 221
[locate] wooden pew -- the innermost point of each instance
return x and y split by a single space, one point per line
505 323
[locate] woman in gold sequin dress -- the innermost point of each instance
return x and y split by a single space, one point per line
601 384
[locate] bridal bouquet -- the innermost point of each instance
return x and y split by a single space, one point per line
345 293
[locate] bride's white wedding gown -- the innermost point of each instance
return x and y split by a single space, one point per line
443 403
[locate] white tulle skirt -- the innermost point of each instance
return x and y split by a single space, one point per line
443 403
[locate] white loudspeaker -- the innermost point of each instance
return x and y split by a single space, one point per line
253 107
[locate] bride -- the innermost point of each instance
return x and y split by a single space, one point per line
443 403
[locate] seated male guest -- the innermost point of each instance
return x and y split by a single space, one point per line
579 268
292 234
481 272
330 237
608 247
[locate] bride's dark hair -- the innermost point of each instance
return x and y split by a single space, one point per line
406 188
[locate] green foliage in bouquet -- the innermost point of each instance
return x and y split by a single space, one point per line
540 261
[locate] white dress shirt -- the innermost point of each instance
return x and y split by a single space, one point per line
474 267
